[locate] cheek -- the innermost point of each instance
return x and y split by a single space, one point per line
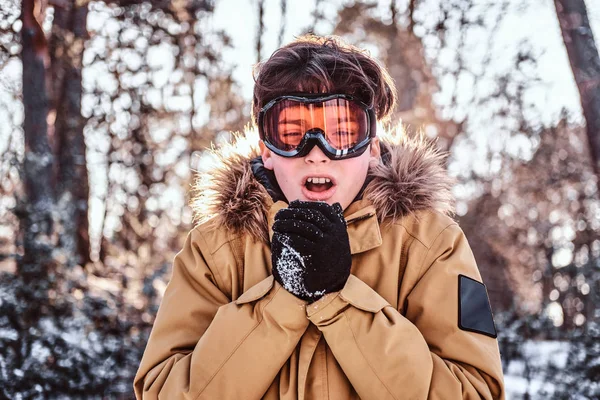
359 168
286 172
283 170
282 178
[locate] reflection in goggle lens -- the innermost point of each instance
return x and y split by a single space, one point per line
343 123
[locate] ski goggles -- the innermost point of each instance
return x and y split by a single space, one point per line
340 125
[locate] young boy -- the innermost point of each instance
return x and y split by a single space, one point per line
330 269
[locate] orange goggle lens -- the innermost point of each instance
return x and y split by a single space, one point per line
343 123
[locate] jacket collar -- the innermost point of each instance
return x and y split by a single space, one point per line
410 177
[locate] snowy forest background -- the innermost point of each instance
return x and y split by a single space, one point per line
107 108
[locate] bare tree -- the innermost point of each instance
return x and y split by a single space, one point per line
36 210
283 5
585 63
53 210
261 29
69 34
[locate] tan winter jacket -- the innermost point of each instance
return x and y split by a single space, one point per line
412 321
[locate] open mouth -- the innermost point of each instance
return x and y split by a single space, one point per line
318 185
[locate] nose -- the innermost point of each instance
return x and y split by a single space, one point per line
316 156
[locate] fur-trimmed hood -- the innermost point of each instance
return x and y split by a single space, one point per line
410 177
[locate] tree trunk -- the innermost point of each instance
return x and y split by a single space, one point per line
585 63
35 213
261 29
70 33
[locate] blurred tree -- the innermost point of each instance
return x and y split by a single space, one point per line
539 219
53 210
147 89
585 64
169 97
583 364
36 210
261 28
66 47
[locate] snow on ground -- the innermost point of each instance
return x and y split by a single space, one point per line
530 376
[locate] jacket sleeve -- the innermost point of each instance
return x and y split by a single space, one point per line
424 354
202 346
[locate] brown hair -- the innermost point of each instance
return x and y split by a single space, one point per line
316 64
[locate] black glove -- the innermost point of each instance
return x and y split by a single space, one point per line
310 249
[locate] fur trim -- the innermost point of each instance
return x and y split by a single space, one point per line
411 178
229 191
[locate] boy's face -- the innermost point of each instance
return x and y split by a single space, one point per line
315 177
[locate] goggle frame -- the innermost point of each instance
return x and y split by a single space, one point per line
316 136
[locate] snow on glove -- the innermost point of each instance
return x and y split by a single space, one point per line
310 249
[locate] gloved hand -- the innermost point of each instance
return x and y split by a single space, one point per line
310 249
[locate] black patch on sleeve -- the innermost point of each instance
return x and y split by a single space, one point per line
474 311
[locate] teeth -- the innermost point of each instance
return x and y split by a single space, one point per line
318 180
